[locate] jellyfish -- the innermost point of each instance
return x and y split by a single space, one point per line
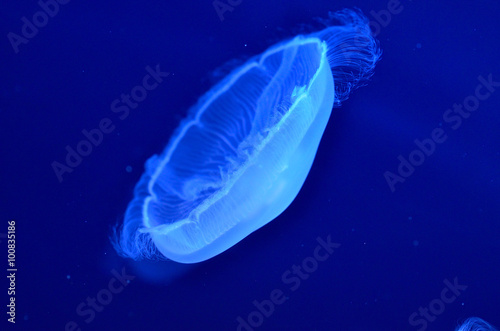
475 324
246 147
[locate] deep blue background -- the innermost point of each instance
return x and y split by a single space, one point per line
396 248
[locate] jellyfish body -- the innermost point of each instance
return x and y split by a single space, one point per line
244 152
475 324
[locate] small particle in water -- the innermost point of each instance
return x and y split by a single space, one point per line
128 169
415 243
68 277
419 45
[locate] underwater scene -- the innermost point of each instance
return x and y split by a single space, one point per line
250 165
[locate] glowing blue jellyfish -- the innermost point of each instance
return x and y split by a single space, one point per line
245 150
475 324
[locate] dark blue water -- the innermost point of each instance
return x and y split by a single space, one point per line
405 184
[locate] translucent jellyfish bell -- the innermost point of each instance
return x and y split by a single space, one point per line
245 150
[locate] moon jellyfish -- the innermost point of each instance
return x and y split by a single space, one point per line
475 324
247 145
